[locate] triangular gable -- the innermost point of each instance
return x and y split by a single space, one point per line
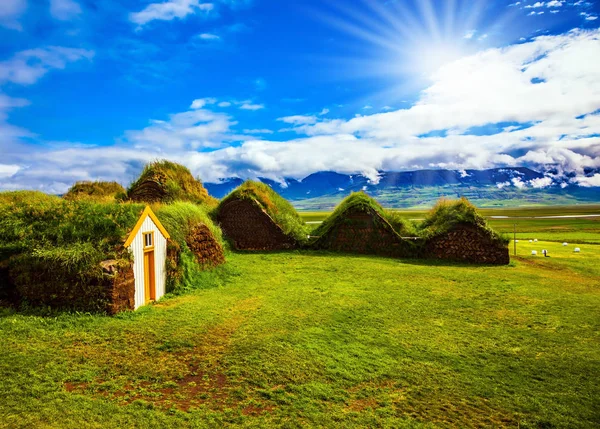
147 212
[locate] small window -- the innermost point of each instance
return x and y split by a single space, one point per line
148 239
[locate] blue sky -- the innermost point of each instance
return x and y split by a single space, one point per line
94 89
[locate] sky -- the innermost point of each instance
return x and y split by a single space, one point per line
95 89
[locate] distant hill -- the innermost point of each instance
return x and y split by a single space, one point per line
486 188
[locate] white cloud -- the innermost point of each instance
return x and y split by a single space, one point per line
517 182
8 170
191 130
209 37
555 3
64 10
551 124
27 67
10 12
324 112
252 106
258 131
168 11
535 5
299 119
224 104
588 16
201 102
542 182
588 181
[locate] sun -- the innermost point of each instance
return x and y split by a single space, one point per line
402 44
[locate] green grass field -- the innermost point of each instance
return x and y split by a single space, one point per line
305 339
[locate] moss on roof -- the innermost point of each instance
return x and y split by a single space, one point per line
102 192
34 220
360 201
167 182
277 207
179 218
448 213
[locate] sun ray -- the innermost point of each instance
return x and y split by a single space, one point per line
405 42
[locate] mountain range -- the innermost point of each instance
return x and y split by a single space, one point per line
421 188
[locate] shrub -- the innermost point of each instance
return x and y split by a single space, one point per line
167 182
277 207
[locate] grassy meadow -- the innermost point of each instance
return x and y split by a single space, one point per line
306 339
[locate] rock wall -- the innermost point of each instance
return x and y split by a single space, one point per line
467 243
365 233
119 282
249 227
205 246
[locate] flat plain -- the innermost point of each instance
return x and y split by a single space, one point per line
305 339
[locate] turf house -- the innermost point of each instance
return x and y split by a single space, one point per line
166 182
455 231
360 225
100 257
100 192
255 217
147 243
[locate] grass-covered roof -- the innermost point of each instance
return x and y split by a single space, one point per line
33 220
448 213
277 207
167 182
180 217
360 201
102 192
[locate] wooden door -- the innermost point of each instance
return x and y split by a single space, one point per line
149 279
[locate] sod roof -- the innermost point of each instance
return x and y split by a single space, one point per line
277 207
447 214
95 191
179 218
167 182
360 201
66 233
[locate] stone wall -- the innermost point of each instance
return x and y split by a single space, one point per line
205 247
119 282
467 243
249 227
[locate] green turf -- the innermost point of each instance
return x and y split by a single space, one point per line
305 339
576 230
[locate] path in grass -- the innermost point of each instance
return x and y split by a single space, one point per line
305 339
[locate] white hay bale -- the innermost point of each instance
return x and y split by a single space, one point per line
534 252
535 240
516 241
577 250
531 241
565 244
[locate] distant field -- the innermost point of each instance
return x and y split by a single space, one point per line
307 339
576 230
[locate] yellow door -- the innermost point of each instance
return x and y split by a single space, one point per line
149 283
